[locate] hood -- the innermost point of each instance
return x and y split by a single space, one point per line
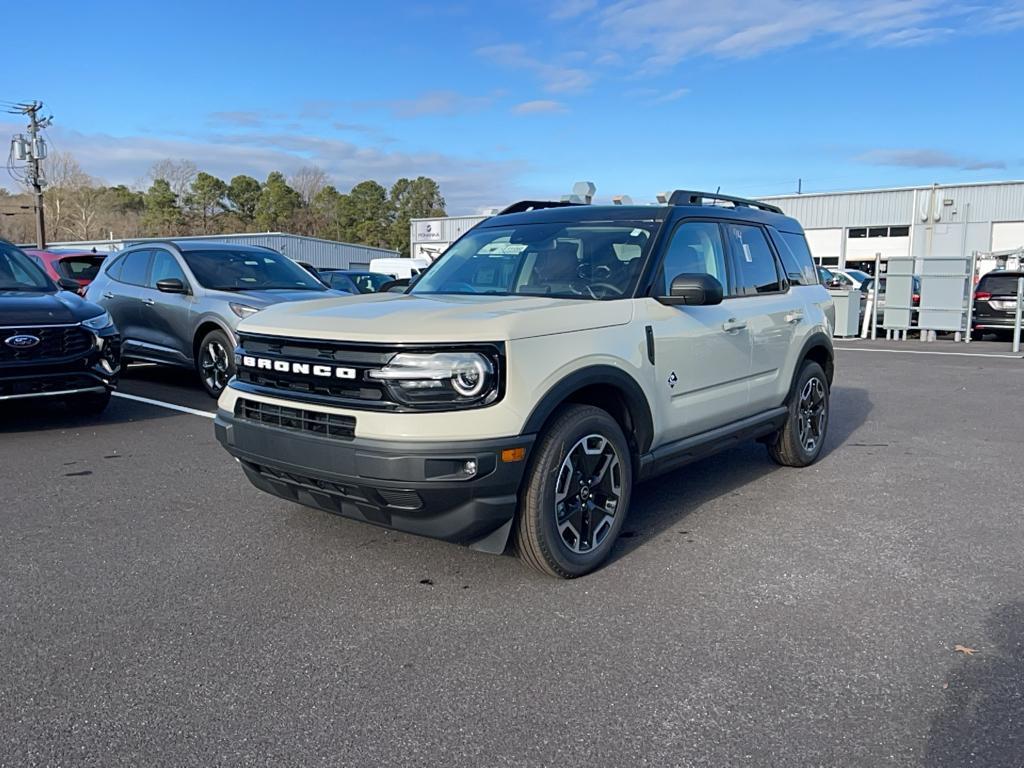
39 308
395 317
261 299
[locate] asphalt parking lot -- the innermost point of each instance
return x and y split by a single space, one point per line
158 610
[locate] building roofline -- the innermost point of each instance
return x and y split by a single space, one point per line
213 238
794 196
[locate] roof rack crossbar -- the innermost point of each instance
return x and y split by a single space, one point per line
689 197
535 205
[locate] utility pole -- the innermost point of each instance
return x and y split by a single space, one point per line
32 149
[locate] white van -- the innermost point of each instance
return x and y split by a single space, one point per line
399 268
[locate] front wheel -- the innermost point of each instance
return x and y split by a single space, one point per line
802 437
576 494
215 363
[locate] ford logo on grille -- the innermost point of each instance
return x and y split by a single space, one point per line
22 341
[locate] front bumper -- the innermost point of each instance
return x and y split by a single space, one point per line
409 486
97 371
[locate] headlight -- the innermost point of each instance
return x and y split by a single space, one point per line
99 323
242 310
439 378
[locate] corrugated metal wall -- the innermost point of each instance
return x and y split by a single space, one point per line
319 253
988 202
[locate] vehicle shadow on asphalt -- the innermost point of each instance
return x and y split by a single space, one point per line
666 501
37 416
981 721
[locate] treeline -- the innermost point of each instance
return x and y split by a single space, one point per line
176 199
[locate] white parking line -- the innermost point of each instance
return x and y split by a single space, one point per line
928 352
168 406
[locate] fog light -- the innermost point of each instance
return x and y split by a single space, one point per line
469 468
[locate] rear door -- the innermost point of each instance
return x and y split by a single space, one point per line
702 354
166 327
766 308
122 295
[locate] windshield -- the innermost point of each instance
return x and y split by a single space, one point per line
18 273
81 267
593 260
857 275
249 271
369 282
1000 285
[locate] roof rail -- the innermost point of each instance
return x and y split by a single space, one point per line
689 197
536 205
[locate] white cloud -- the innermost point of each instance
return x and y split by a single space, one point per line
556 77
446 103
926 158
538 106
668 31
465 182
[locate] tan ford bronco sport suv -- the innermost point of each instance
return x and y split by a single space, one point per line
553 357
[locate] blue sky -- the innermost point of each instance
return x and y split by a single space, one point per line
505 100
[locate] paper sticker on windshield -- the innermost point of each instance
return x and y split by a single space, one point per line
636 233
746 254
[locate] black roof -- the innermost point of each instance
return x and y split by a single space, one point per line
592 213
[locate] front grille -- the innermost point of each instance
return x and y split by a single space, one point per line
297 419
359 392
55 343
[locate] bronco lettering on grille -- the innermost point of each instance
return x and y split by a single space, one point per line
304 369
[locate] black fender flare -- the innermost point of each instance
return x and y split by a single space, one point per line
638 408
816 339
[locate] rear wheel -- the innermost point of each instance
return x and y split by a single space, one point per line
576 495
215 362
802 437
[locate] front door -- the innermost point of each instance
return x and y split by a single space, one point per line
167 327
702 354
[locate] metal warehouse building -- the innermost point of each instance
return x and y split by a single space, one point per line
847 229
312 250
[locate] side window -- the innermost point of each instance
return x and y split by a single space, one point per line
165 267
114 270
755 263
135 267
696 247
796 258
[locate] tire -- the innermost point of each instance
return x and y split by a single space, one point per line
215 362
583 447
89 403
802 437
977 335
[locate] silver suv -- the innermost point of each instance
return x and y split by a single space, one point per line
179 302
552 357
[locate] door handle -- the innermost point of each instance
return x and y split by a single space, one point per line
148 302
733 325
794 317
108 295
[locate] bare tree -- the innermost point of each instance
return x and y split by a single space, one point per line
65 179
307 181
178 173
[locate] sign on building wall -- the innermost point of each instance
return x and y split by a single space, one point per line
428 231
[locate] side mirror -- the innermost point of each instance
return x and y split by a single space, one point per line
835 285
67 284
694 290
171 285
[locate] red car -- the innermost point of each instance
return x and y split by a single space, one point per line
80 266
